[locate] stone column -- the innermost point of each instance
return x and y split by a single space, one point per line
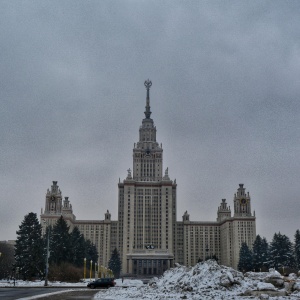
130 269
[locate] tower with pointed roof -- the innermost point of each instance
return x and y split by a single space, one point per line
56 207
242 203
147 205
147 153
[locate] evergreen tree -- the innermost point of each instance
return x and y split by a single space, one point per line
91 252
281 252
29 248
245 261
71 247
265 252
7 259
77 247
60 243
260 253
297 249
257 261
215 257
115 263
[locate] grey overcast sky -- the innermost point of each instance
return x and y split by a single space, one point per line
225 100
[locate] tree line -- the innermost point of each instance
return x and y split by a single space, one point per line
65 248
280 254
6 259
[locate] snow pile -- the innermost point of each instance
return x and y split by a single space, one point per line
129 282
203 277
263 286
208 280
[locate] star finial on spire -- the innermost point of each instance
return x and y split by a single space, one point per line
148 84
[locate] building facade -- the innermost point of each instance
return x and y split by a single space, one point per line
147 235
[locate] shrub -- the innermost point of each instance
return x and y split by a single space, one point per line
65 272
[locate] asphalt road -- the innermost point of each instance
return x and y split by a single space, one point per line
19 293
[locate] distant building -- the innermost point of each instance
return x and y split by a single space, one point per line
147 234
9 242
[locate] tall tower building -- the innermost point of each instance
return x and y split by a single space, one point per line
147 206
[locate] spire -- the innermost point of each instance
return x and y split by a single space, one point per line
147 84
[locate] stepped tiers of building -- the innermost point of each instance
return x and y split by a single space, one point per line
146 232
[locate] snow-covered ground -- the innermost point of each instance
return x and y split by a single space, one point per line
205 281
69 287
208 280
21 283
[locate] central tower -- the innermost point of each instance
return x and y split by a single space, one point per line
147 206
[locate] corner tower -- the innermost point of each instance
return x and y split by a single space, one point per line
55 207
242 202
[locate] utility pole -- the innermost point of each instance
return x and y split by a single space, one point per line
47 255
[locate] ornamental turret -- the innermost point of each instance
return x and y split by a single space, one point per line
224 211
67 207
53 203
242 203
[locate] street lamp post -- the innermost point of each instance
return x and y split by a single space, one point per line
91 267
101 271
47 255
96 271
84 268
17 272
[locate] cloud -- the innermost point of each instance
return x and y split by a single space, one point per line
224 99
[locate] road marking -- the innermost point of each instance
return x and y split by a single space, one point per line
44 295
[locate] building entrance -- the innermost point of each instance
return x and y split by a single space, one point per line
150 266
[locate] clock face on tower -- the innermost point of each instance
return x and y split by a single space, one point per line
243 201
